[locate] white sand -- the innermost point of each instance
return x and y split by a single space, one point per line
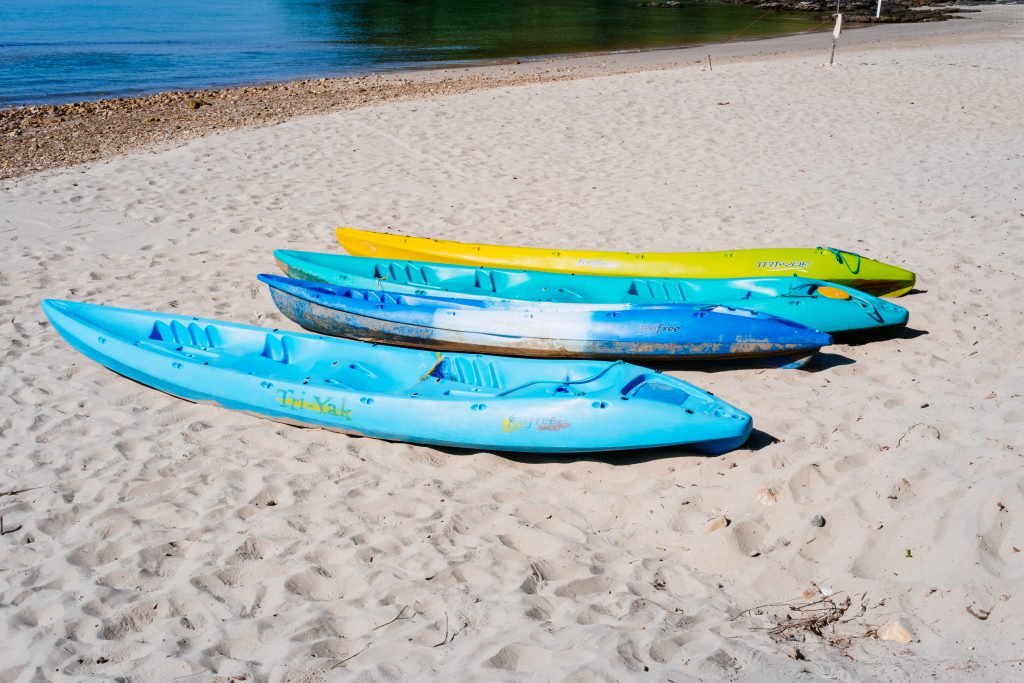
148 547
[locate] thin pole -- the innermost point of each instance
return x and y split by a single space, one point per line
878 10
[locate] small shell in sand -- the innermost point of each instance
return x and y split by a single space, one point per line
767 496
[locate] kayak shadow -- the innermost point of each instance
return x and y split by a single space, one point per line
757 441
861 337
821 360
826 361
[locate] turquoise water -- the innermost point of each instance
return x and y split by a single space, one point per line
66 50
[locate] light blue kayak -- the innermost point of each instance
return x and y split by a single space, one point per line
816 304
455 400
542 329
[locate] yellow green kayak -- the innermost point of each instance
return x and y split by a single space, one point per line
822 263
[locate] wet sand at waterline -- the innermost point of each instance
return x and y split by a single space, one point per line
154 539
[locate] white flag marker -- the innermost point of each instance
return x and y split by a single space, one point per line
835 36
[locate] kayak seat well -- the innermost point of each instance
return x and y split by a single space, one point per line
193 334
657 290
476 372
402 273
460 376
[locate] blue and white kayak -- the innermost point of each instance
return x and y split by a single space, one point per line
455 400
554 330
814 303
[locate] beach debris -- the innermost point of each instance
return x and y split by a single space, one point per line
818 521
767 496
795 653
447 639
195 103
981 614
935 432
811 594
717 523
342 661
814 617
818 612
896 631
909 553
4 531
399 617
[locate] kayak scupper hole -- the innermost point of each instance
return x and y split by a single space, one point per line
688 411
102 340
267 385
600 405
366 400
176 366
478 406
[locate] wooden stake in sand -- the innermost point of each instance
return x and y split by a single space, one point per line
835 36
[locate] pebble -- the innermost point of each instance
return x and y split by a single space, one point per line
818 521
896 631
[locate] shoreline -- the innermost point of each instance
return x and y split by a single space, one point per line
36 138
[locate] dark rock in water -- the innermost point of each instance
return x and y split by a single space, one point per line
863 11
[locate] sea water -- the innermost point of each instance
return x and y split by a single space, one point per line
66 50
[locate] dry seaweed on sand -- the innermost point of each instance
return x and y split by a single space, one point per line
828 618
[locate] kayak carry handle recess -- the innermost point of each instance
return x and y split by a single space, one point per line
841 258
562 383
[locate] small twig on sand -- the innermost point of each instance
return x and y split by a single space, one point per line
365 648
14 492
3 531
399 616
912 428
450 639
445 640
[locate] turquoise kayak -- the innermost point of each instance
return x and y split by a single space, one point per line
455 400
646 332
816 304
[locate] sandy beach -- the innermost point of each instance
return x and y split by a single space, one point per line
150 539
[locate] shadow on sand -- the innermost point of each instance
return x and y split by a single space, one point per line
862 337
756 442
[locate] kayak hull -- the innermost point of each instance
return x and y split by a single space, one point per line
830 308
453 400
833 265
665 332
